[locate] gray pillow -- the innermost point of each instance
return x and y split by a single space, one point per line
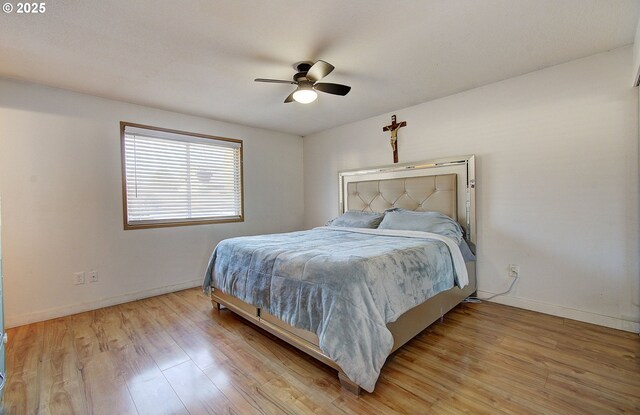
357 219
434 222
467 254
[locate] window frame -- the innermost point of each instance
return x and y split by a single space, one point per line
128 226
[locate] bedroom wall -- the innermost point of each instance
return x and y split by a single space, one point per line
557 169
635 69
61 188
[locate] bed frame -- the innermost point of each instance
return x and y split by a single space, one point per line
446 186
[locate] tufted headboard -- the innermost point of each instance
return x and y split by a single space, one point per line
424 193
446 186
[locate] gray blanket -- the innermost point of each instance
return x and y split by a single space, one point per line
343 284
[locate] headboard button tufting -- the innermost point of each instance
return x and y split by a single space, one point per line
413 193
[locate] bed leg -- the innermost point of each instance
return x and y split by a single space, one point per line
348 385
216 305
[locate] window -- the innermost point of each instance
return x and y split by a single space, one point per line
173 178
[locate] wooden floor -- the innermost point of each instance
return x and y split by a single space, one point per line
174 354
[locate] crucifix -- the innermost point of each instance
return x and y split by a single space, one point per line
394 127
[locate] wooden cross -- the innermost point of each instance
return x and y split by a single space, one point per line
394 127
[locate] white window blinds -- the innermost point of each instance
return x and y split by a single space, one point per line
173 178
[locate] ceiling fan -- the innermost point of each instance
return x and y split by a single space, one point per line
307 78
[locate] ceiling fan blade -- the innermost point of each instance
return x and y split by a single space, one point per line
289 98
319 70
275 81
335 89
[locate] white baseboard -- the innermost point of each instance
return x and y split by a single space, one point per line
566 312
67 310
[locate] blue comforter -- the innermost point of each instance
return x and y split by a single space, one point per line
344 284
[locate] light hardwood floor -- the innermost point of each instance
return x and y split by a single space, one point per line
175 354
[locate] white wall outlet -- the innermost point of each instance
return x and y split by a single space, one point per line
514 270
78 278
93 276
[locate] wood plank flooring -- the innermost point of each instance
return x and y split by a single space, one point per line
174 354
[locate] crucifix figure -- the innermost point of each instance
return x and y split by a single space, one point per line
394 127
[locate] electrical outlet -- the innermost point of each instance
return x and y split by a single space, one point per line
78 278
514 270
93 276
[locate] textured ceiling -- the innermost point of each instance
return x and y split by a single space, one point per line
200 57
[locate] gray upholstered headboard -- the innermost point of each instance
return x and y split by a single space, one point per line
425 193
446 186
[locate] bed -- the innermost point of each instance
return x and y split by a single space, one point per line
294 286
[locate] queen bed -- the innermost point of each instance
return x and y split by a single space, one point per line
351 295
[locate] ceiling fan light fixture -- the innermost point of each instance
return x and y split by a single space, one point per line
305 95
306 79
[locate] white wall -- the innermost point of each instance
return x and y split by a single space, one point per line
61 188
636 56
557 169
